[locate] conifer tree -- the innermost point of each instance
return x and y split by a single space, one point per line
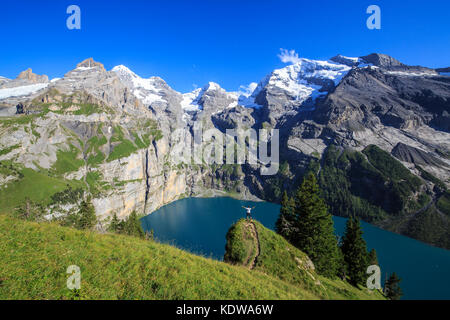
314 232
86 218
115 223
372 258
132 226
285 223
392 288
355 253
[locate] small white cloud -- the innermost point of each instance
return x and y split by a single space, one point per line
288 56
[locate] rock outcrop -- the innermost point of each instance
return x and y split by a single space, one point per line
28 75
90 63
410 154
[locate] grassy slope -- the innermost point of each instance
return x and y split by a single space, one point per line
282 260
34 258
37 186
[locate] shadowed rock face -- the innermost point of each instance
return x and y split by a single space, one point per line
233 118
443 70
410 154
400 99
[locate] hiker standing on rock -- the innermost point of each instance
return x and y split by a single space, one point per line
249 212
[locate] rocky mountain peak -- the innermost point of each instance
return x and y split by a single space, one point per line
150 90
298 84
90 63
32 77
382 60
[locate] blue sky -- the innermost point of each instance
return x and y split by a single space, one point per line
231 42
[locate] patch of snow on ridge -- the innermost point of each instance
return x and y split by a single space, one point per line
352 59
190 100
22 90
349 61
411 74
212 86
144 89
145 97
84 68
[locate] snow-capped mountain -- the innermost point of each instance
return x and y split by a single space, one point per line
296 85
147 90
155 92
301 81
305 79
25 84
350 103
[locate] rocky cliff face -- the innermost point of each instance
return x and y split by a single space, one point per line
102 120
109 132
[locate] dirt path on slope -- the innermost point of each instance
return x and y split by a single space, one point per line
251 261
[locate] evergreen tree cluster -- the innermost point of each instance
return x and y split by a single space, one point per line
306 223
129 226
392 288
83 218
68 195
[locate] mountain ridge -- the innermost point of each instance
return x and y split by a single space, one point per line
111 131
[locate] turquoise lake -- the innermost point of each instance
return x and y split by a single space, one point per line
199 225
